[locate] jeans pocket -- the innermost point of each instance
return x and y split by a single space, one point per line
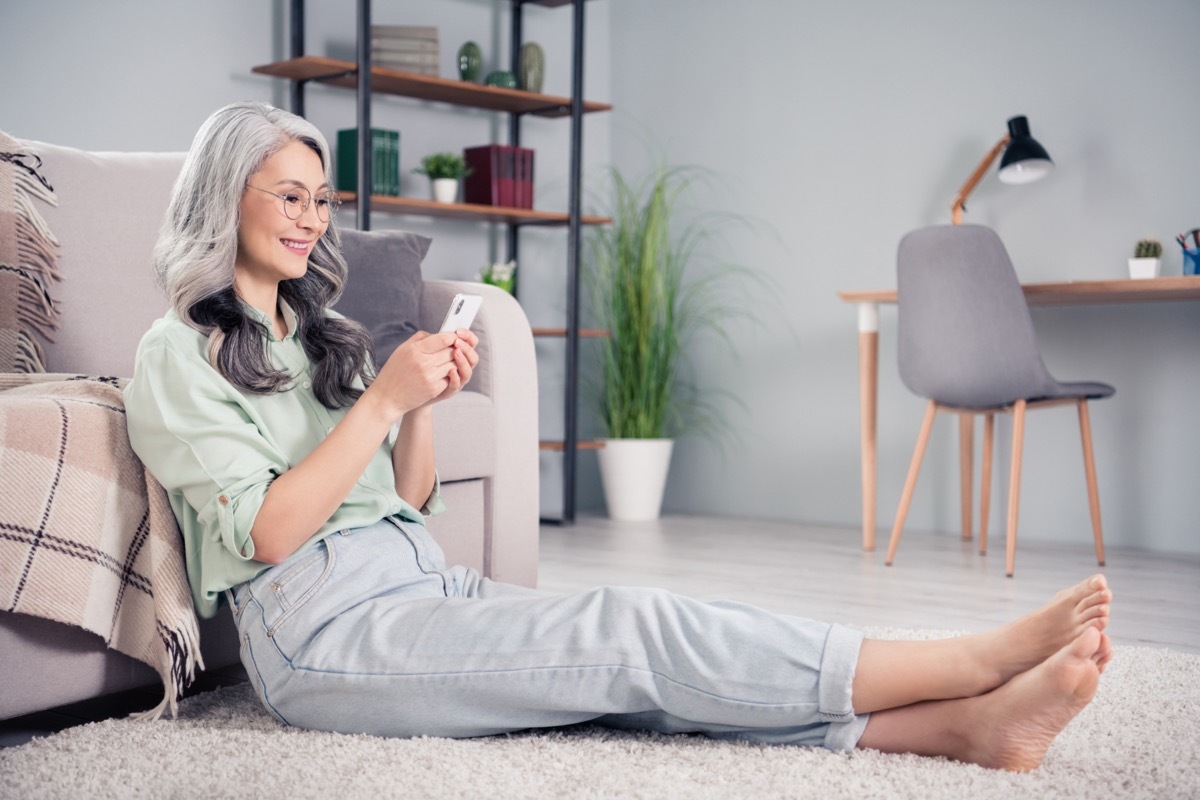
300 582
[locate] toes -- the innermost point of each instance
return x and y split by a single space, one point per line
1087 644
1104 653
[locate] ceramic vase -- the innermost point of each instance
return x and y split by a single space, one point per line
633 473
532 66
470 62
502 78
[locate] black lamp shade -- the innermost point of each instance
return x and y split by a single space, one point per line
1024 160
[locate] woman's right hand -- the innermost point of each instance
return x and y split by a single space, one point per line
416 373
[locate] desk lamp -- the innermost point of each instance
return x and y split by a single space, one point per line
1024 161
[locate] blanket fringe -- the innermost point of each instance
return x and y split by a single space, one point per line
29 249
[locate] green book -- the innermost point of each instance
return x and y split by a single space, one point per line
385 161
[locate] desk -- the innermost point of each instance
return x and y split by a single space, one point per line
1066 293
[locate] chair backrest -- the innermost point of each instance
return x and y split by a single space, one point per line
965 335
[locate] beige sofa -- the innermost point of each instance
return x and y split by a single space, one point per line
109 209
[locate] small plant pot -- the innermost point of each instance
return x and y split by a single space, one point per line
1144 267
445 190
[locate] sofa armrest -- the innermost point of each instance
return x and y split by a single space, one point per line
507 374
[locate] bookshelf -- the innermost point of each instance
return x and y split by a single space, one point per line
367 80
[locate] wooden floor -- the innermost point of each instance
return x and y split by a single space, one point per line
937 582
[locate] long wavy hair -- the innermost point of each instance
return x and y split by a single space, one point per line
197 247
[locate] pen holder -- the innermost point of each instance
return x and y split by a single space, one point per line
1191 261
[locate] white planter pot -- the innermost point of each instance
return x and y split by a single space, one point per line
634 475
445 190
1143 267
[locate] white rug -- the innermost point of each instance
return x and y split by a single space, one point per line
1140 738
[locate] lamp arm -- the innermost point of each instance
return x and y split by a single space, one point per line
960 201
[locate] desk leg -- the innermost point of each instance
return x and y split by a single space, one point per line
868 387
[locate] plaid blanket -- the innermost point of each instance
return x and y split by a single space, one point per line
87 536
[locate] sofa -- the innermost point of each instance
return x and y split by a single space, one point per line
110 206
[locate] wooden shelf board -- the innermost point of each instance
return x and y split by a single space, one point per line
469 211
585 333
560 446
424 87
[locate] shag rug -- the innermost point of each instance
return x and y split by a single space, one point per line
1140 738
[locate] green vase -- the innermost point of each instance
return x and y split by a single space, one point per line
502 78
470 62
533 67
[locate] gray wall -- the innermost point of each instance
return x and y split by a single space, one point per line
844 125
833 128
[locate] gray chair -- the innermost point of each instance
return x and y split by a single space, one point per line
966 342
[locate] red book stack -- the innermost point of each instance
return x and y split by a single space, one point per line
501 175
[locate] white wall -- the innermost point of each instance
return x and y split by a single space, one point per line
835 127
844 125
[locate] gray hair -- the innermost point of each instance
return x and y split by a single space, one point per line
197 248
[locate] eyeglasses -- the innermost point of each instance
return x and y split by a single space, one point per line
296 201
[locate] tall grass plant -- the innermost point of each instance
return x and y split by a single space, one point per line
653 301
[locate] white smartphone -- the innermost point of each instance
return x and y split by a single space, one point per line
461 312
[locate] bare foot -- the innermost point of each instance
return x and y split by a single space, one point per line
1104 653
1012 649
1014 725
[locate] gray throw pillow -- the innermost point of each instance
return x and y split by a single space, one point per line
383 288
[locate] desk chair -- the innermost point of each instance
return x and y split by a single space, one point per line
966 342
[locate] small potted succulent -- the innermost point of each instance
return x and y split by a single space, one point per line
445 171
1147 256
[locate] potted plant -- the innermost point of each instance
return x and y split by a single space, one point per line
445 171
500 273
1147 256
647 293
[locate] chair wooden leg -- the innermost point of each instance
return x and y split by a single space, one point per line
985 479
966 458
1089 466
1014 485
910 483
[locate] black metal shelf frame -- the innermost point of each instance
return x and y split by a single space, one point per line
512 239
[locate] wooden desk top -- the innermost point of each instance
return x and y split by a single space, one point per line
1072 293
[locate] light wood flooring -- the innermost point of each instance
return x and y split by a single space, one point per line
937 582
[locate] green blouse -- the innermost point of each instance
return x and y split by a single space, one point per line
216 449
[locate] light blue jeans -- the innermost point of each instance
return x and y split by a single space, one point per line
369 632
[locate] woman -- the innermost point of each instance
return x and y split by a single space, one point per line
300 478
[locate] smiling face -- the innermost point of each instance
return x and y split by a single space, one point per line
271 247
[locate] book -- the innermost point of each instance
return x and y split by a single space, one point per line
385 161
428 32
413 63
524 178
502 175
482 184
404 46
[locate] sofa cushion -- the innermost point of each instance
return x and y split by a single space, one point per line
383 289
110 208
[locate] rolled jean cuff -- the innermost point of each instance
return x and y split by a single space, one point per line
835 688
